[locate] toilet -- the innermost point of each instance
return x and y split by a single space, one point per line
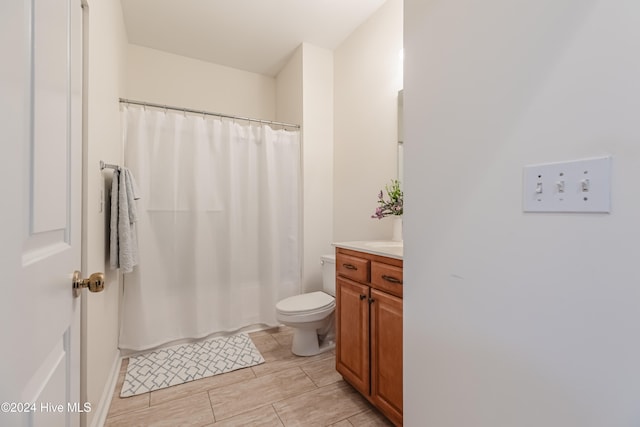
311 315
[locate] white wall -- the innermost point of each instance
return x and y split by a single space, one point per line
106 59
516 319
317 152
366 89
168 79
289 90
305 96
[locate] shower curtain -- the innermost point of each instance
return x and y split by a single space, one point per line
219 225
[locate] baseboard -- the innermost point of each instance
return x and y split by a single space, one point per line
102 409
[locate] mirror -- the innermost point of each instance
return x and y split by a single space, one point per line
400 138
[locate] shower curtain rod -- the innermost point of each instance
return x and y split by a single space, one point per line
187 110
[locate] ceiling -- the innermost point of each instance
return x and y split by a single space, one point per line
252 35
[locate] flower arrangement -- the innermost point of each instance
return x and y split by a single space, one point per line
392 206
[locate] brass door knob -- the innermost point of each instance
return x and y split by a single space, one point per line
95 283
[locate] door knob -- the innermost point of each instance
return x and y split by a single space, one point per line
95 283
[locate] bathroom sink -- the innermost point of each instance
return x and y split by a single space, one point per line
388 248
383 244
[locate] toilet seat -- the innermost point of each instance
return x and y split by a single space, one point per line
310 303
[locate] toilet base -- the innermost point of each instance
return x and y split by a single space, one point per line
306 343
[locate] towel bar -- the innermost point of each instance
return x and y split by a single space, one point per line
104 165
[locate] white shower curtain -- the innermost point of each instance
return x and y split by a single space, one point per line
219 227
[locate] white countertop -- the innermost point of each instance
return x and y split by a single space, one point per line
386 248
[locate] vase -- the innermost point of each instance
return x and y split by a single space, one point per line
397 228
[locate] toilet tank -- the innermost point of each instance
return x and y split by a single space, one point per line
328 274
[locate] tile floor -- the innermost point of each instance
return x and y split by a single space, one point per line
286 390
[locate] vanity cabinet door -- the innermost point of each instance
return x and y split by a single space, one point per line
386 354
352 328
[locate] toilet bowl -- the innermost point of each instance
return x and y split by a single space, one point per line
311 315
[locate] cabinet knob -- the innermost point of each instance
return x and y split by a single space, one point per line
362 297
371 300
350 266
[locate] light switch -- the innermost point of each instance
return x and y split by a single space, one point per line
574 186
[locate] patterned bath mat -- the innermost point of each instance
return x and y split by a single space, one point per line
188 362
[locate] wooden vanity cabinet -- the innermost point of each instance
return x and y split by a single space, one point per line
369 328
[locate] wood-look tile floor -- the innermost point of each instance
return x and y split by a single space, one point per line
286 390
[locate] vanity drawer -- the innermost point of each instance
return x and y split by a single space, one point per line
352 267
386 278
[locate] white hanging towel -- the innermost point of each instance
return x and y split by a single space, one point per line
124 239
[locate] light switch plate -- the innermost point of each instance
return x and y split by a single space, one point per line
574 186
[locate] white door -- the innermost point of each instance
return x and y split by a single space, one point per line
40 222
